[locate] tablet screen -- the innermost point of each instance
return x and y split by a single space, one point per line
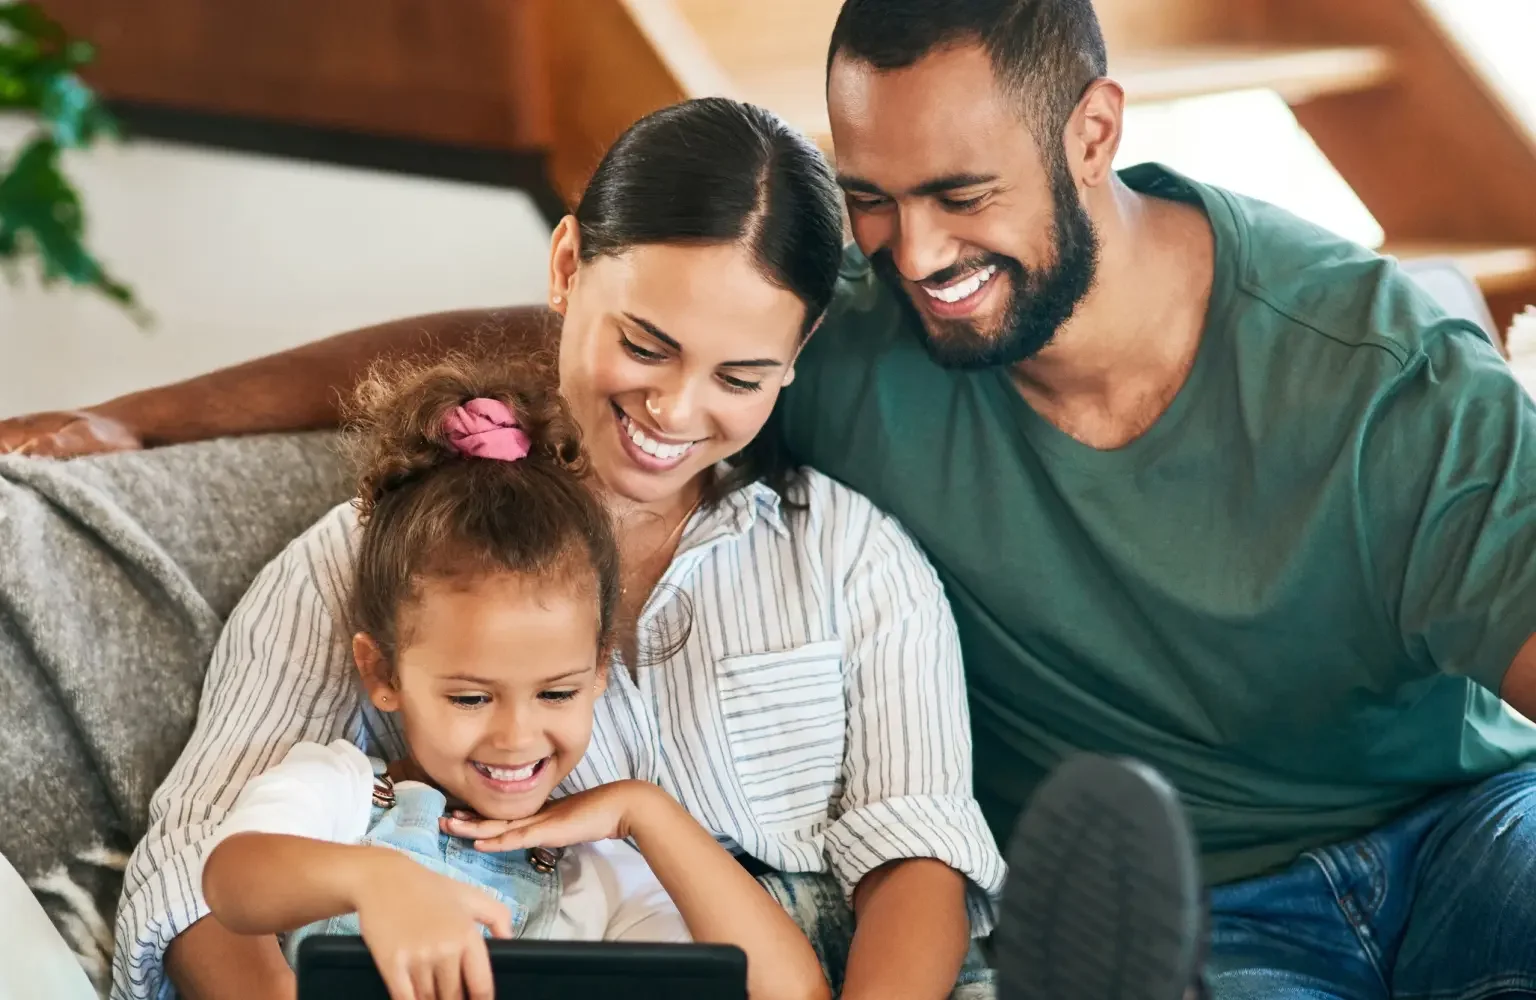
340 968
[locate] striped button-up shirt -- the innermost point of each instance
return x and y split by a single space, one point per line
814 717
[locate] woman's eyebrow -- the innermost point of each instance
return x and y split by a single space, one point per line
656 331
653 330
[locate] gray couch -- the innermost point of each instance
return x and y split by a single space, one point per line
116 574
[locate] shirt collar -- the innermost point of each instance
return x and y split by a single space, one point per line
738 511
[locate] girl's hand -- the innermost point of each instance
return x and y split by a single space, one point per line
424 932
607 812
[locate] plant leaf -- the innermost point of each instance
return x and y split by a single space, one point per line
41 213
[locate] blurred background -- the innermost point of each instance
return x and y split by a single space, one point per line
298 167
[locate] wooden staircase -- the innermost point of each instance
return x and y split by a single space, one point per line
1404 114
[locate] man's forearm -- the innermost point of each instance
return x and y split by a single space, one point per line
208 961
911 932
301 389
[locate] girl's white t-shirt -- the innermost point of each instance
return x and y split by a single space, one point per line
608 892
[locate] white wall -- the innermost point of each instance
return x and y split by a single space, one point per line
239 256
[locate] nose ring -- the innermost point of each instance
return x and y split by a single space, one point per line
651 407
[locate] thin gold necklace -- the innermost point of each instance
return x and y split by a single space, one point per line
672 536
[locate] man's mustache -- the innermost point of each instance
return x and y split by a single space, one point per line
886 264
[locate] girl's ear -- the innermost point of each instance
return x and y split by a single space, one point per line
374 671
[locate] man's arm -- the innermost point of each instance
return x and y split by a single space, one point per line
295 390
1519 688
1447 474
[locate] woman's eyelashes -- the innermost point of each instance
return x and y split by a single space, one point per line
735 384
646 356
640 353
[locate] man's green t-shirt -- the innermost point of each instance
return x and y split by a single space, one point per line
1293 595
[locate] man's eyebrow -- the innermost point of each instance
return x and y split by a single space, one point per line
950 182
927 189
849 182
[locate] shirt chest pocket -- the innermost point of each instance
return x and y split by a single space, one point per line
785 719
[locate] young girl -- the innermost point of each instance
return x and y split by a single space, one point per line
486 592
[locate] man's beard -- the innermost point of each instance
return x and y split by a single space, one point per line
1040 300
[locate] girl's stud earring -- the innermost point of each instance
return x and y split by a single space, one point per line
555 299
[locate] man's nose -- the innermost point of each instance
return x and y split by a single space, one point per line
920 247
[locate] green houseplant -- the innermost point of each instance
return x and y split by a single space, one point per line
41 218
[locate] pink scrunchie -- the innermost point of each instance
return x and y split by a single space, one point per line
486 428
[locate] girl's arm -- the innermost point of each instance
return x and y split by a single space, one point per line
423 929
270 883
718 900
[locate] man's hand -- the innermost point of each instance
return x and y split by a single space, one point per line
66 434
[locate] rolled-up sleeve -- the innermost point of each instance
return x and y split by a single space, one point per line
281 673
907 762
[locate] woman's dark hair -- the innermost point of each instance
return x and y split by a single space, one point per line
430 512
713 171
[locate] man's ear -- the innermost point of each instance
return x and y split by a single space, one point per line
1093 133
377 675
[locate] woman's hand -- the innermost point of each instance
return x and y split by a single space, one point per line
424 932
606 812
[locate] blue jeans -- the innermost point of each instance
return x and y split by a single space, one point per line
1440 904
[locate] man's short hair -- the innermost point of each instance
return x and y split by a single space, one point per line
1044 52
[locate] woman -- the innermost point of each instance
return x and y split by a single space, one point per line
790 673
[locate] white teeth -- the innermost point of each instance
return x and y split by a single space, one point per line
963 289
511 773
652 447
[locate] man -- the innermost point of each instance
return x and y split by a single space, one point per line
1208 487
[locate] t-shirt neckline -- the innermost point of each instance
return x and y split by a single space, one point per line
1154 179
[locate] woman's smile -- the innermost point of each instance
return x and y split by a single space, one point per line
648 449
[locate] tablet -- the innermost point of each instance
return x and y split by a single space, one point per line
335 967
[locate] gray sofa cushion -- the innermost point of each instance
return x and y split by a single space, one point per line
116 574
